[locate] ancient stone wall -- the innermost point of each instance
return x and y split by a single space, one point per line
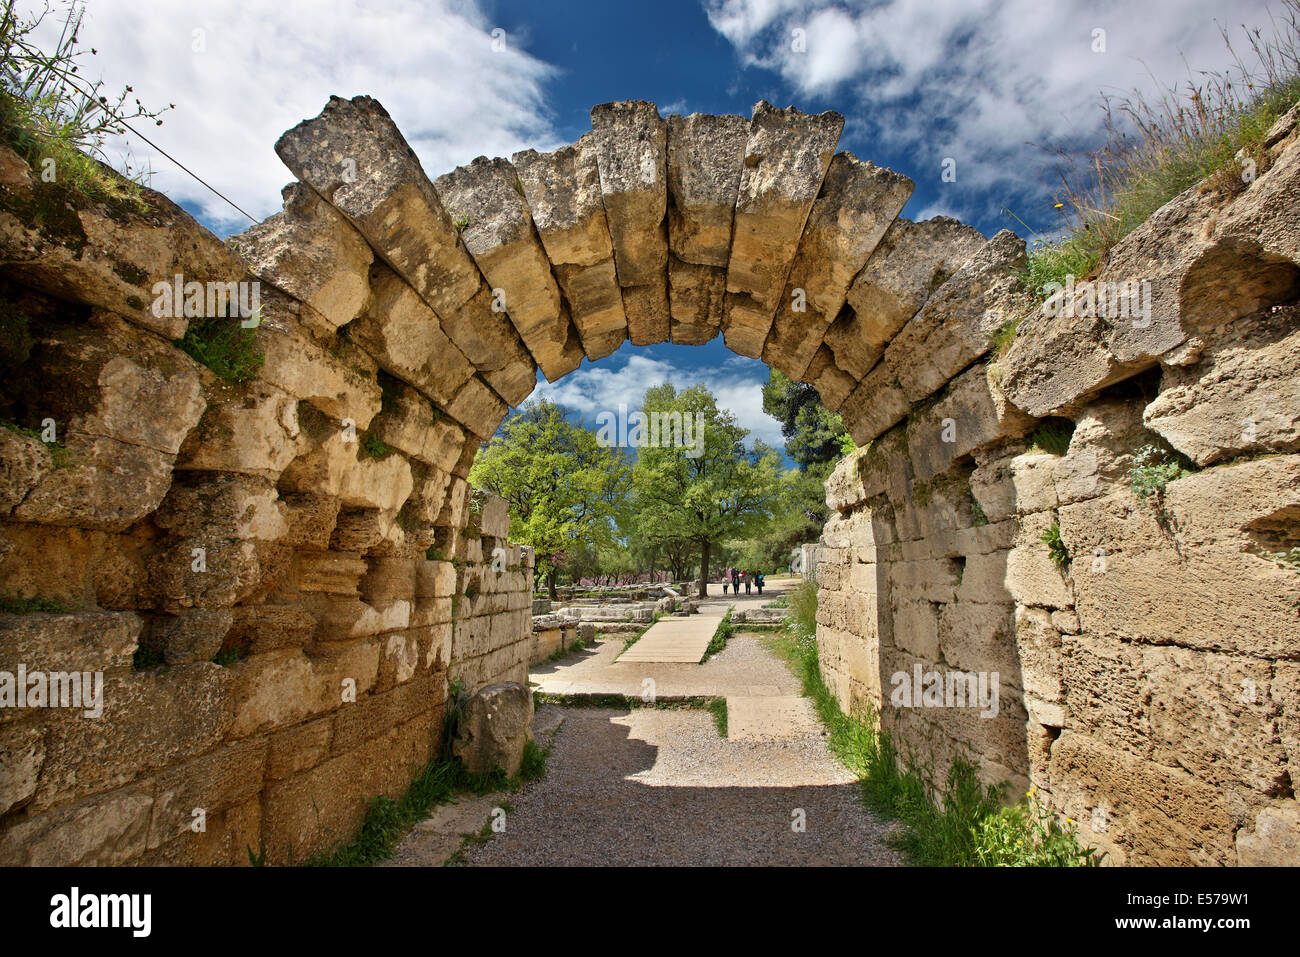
278 578
1148 675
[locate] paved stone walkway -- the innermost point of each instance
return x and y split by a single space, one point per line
677 639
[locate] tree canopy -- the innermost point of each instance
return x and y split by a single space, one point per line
566 492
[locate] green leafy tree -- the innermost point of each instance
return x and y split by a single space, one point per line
566 492
813 434
714 491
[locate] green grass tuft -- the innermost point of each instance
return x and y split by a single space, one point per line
1060 555
225 347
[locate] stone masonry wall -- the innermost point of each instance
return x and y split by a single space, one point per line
278 578
1150 684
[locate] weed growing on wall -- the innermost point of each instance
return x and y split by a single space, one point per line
1055 547
1153 469
225 347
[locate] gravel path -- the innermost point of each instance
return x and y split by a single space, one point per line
657 786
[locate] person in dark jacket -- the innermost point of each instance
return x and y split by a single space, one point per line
758 581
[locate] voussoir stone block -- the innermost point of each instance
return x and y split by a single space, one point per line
954 327
631 139
405 337
911 261
311 252
354 156
786 157
564 197
487 197
857 203
705 157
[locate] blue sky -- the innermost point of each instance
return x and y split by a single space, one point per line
986 83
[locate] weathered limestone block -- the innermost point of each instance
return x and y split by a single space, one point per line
122 403
150 721
340 381
494 520
108 254
1206 263
991 485
24 459
79 641
1033 476
111 380
236 506
251 428
490 342
229 776
22 754
1105 437
630 139
312 253
408 424
954 326
107 829
354 156
1039 648
1032 578
105 484
876 403
1193 574
1275 839
972 413
705 157
696 297
478 408
1243 396
494 727
564 197
786 157
498 232
911 262
340 469
283 688
211 571
832 383
406 338
857 203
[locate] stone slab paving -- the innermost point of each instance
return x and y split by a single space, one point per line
770 718
676 639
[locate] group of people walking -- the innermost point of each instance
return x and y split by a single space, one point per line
734 578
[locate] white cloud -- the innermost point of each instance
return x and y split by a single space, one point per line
268 66
978 80
738 386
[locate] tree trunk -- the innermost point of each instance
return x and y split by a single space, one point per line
550 584
704 568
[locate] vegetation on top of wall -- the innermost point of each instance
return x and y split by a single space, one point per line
224 346
962 823
50 111
1211 126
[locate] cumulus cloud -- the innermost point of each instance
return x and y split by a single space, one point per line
241 73
622 379
977 81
